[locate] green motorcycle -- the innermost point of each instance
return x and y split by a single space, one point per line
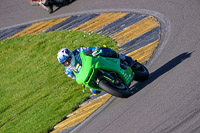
108 74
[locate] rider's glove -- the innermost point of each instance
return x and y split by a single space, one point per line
96 53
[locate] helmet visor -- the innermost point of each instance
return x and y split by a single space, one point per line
67 62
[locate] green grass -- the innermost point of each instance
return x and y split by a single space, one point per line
35 93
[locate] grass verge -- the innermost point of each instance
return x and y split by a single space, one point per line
35 93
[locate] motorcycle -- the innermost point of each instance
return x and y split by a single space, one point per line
48 4
108 74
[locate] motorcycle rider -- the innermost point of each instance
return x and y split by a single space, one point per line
66 57
48 4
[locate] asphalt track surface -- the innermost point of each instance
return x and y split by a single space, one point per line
169 101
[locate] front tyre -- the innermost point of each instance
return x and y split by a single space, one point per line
122 93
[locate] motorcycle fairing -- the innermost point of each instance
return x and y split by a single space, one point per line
90 65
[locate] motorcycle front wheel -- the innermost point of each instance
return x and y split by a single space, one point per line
122 93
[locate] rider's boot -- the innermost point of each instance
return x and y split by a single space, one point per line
47 7
127 59
94 92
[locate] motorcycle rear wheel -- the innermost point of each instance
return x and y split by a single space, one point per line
122 93
141 72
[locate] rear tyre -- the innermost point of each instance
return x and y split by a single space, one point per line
141 72
122 93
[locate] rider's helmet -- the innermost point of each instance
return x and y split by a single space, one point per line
64 56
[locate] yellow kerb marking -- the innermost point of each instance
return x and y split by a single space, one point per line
81 114
135 30
144 53
100 21
39 27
